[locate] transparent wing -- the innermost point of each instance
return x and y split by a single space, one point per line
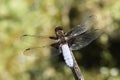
43 43
84 39
37 40
85 25
33 50
38 37
36 51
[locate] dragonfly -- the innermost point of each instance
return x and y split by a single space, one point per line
75 39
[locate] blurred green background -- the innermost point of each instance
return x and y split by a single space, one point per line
98 61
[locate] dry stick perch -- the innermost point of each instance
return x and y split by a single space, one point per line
76 70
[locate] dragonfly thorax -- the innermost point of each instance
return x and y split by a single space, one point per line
62 40
60 35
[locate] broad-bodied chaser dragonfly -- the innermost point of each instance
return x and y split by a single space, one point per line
77 38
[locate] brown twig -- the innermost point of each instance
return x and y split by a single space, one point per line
76 70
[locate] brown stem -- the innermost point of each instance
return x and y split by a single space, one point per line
76 70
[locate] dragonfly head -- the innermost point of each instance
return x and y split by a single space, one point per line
59 31
58 28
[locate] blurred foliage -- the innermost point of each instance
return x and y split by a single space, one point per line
17 17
